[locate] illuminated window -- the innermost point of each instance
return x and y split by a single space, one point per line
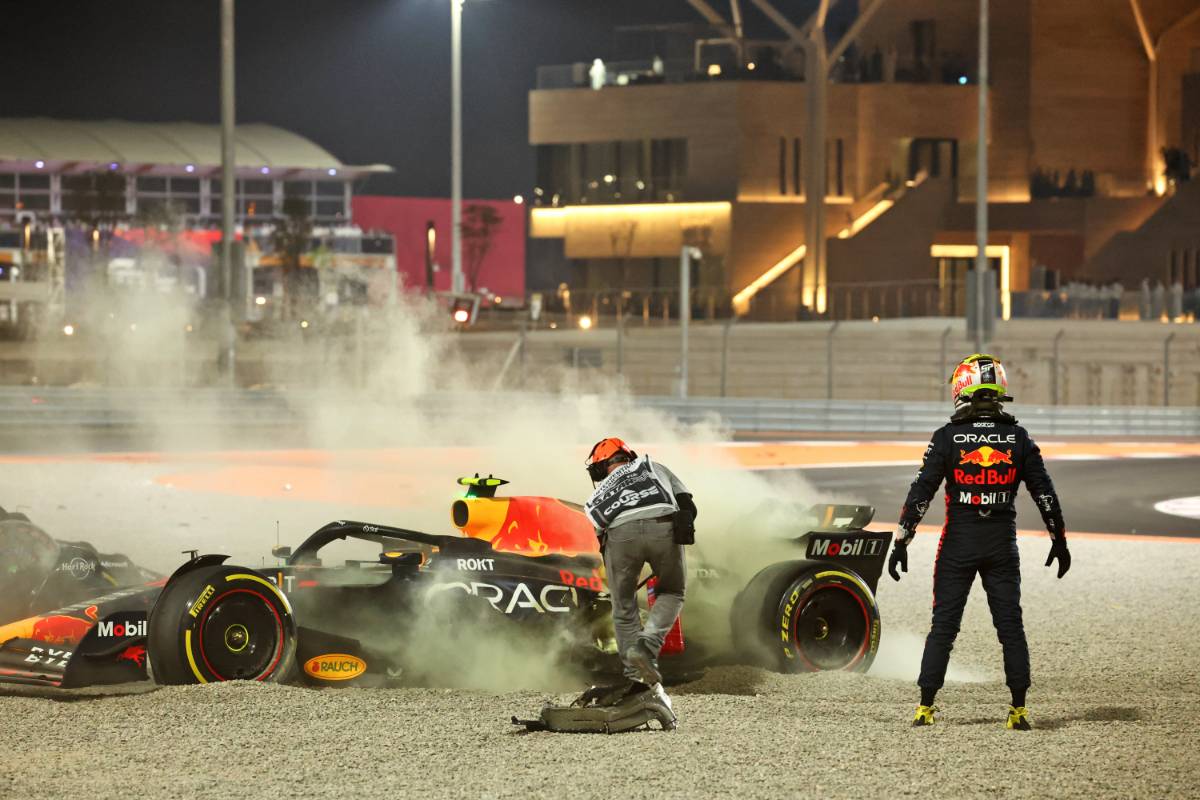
645 170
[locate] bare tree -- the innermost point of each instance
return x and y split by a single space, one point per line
478 229
291 240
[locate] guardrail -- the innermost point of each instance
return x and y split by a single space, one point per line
57 407
117 409
844 416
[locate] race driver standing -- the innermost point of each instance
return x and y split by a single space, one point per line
982 454
643 514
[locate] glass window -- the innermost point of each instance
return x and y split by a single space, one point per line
834 176
297 188
185 185
782 165
256 187
797 166
301 203
631 169
668 166
29 181
188 205
151 183
330 188
554 175
330 208
36 202
259 207
599 170
76 183
151 205
7 199
8 181
377 244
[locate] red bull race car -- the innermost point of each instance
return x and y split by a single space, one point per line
800 600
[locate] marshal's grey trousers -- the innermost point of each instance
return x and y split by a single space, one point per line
630 546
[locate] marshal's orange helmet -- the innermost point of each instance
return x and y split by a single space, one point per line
603 452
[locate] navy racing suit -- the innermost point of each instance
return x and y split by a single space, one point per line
982 459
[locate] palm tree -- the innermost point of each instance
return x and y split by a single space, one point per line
478 225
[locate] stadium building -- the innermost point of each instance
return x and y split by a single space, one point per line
54 169
1094 118
82 198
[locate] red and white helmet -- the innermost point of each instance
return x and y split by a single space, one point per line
976 372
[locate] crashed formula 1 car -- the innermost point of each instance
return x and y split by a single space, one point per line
71 616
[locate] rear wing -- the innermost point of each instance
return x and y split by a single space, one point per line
833 517
839 538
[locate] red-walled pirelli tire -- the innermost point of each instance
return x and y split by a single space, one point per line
804 617
221 623
827 619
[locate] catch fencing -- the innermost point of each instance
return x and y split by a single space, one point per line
1050 363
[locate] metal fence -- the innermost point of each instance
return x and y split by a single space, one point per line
783 416
59 407
860 300
1093 363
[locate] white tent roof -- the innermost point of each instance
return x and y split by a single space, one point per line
163 147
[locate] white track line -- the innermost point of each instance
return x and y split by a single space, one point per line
1154 455
1180 507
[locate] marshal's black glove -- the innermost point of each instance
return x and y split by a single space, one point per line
1058 549
899 557
684 521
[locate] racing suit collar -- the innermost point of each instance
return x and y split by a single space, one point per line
982 410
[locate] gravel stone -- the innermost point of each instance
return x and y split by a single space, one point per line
1114 706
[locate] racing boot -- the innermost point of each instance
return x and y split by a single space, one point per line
1018 719
642 659
924 716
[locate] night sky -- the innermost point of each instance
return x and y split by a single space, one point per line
369 80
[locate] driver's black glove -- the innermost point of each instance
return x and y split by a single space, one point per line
1058 549
899 557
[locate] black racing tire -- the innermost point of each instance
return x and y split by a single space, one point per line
221 623
797 617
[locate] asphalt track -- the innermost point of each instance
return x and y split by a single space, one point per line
1112 496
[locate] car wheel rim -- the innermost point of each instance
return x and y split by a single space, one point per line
830 631
237 638
241 636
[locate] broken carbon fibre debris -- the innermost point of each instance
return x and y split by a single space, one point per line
604 709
